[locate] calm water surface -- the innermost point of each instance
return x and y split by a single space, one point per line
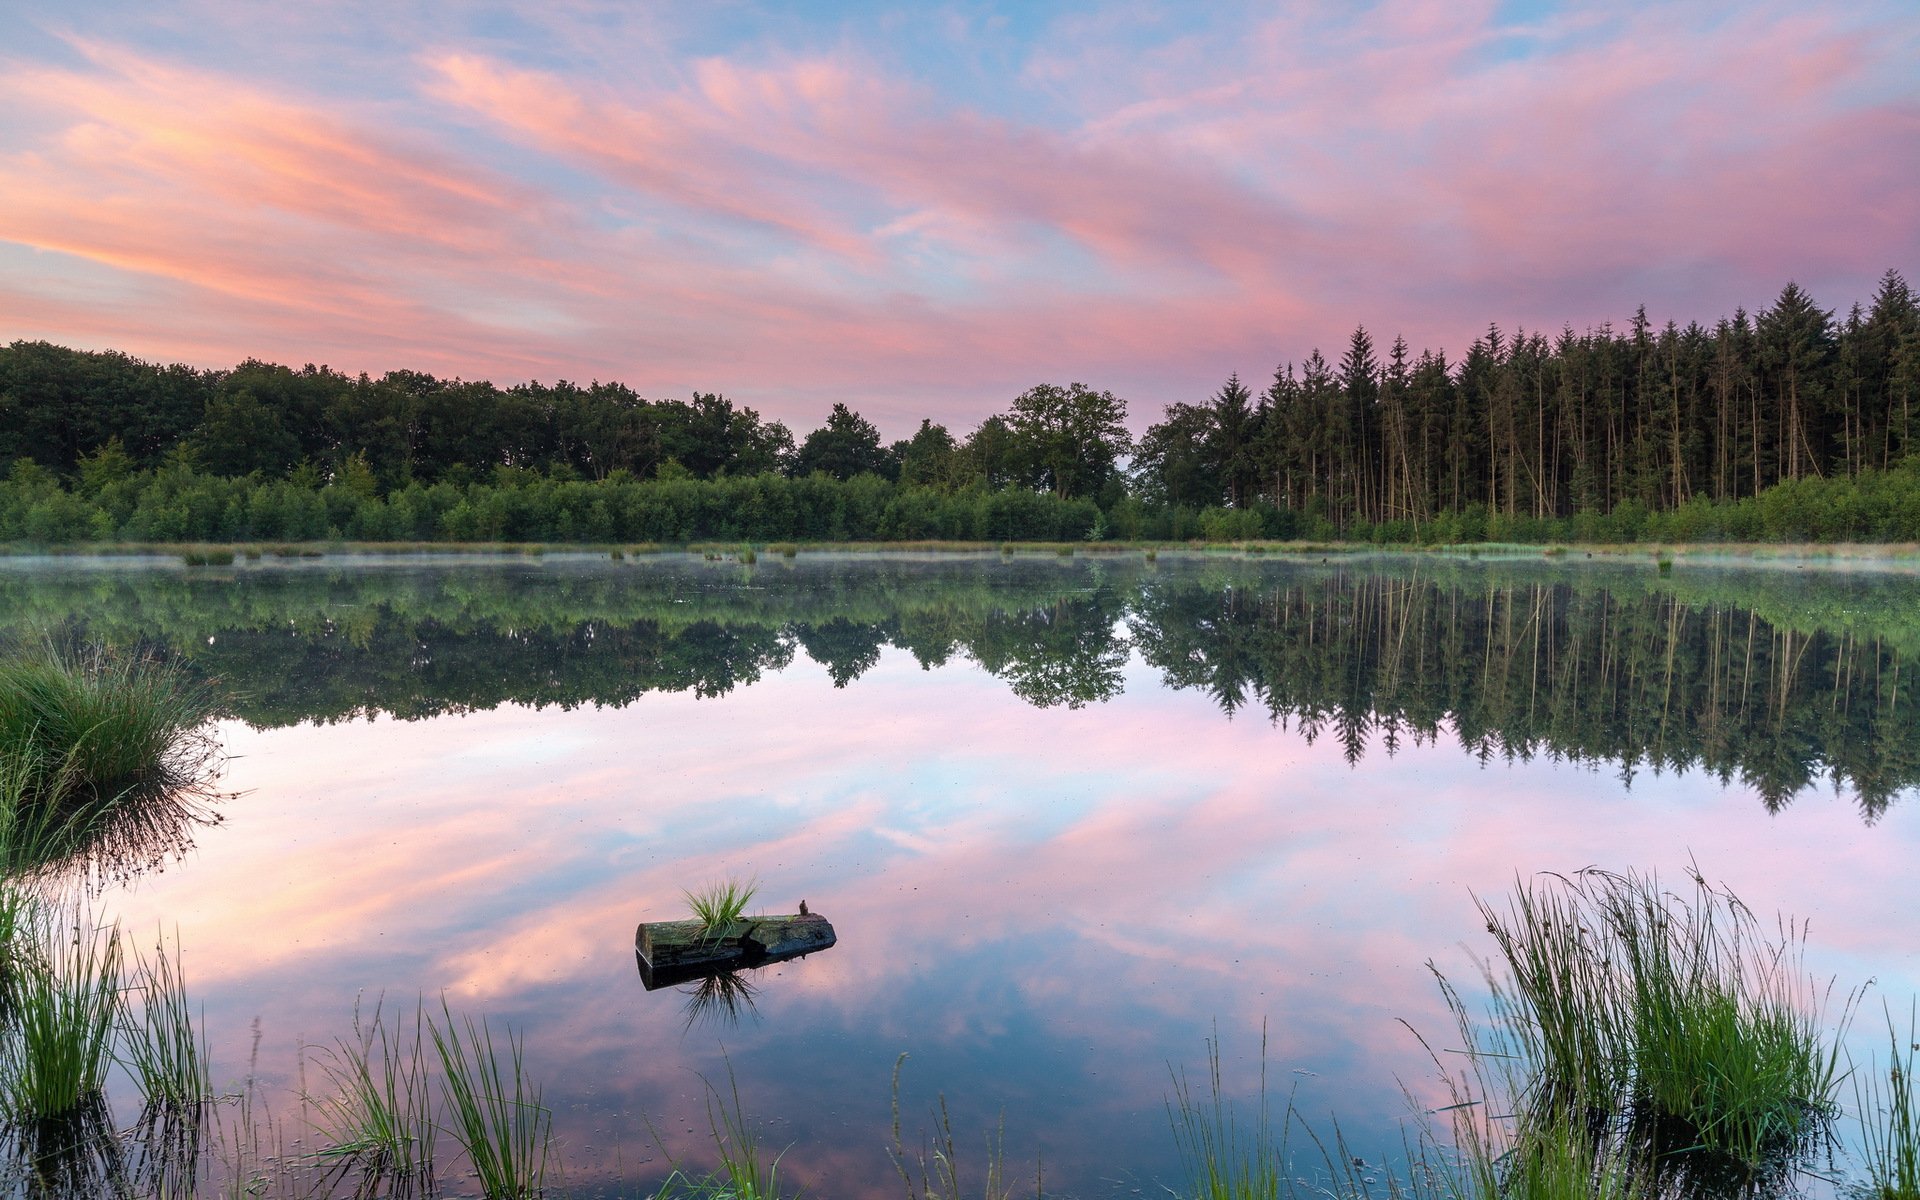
1071 817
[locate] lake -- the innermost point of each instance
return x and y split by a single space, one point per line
1071 817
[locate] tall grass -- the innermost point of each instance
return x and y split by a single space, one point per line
719 904
164 1047
934 1171
493 1106
745 1171
1889 1111
88 727
1674 1012
379 1115
103 760
65 1011
1224 1156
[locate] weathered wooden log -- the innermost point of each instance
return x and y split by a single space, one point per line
677 951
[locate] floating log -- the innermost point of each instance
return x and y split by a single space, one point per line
676 951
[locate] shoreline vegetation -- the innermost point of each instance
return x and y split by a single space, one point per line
1787 424
1634 1042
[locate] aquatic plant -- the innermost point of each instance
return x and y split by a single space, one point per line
719 904
492 1105
163 1047
934 1172
1889 1111
748 556
91 726
1224 1156
66 1006
379 1113
1675 1012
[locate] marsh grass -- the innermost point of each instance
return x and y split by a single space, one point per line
748 556
93 726
1889 1110
719 904
104 757
209 557
935 1170
1224 1156
163 1046
1673 1020
746 1171
65 1011
492 1106
378 1115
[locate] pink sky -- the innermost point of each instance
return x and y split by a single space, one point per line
924 210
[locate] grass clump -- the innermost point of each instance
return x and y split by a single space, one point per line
493 1106
1224 1158
1671 1019
93 725
1889 1111
207 558
748 556
66 1007
165 1049
719 904
103 757
379 1115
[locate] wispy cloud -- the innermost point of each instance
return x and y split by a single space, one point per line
1139 198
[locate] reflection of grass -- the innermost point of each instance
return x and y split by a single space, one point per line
164 1049
1889 1110
723 997
1675 1012
380 1112
719 904
1224 1157
493 1107
66 1005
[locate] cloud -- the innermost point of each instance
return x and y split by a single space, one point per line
1140 199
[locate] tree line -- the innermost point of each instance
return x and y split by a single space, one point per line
1778 682
1784 423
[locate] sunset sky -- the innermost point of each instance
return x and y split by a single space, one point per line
925 209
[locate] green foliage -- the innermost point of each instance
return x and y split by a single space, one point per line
1888 1107
164 1048
378 1111
719 904
493 1106
66 1008
1620 997
84 731
745 1172
1226 1156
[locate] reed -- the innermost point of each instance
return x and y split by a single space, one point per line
934 1171
493 1106
1224 1156
164 1048
1889 1110
379 1113
86 728
1676 1012
65 1010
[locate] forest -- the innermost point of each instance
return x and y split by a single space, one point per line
1772 680
1789 423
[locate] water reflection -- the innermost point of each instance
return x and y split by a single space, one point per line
1772 681
1016 787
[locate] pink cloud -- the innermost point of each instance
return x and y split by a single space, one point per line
1156 202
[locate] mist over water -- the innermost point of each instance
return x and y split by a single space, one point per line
1069 816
